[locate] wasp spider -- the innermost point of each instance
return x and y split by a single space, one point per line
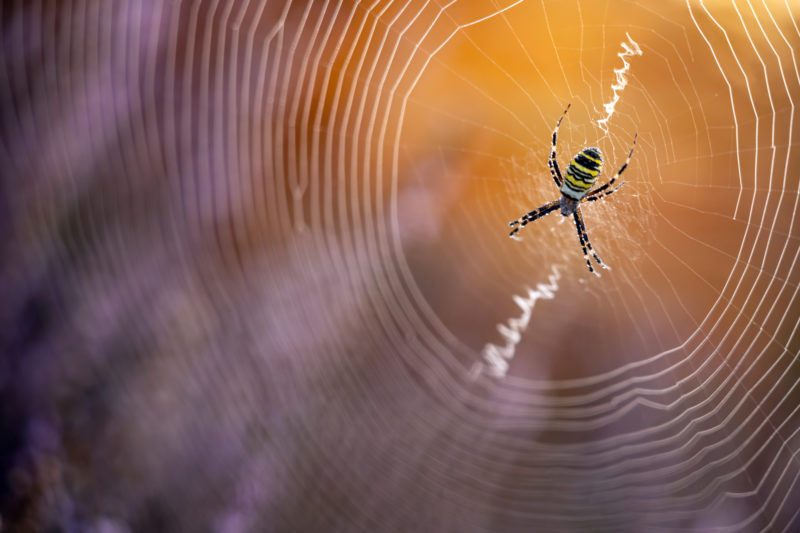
581 175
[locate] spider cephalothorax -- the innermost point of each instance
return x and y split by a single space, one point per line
575 186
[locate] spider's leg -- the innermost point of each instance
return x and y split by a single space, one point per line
551 161
530 216
620 171
585 244
602 194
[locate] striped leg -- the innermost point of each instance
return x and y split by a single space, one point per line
530 216
552 162
585 244
603 194
620 171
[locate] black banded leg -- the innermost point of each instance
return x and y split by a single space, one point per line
619 172
552 162
603 194
583 244
586 245
530 216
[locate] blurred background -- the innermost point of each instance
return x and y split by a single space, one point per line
255 263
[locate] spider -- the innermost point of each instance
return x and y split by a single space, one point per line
581 174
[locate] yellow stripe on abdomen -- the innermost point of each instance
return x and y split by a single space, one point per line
573 187
582 173
592 172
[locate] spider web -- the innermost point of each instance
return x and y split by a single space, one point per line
257 257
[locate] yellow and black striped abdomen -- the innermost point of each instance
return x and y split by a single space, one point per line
582 173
